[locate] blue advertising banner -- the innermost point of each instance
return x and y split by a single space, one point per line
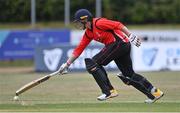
50 58
20 44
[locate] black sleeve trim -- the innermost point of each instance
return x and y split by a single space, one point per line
97 26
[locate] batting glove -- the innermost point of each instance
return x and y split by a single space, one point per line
63 69
134 40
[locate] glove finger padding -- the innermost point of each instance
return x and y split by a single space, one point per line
134 40
137 42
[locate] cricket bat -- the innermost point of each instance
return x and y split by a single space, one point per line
35 83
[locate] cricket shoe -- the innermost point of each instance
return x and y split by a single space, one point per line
157 94
113 92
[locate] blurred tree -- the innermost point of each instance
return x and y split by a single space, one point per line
107 10
50 10
138 13
120 10
127 11
14 11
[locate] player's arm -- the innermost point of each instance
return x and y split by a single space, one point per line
106 24
76 53
134 39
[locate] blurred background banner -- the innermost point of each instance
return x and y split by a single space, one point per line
159 35
157 56
19 44
49 58
160 50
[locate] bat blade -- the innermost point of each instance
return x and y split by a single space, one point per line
32 84
35 83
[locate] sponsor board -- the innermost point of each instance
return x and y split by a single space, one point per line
148 57
20 44
165 36
50 58
155 57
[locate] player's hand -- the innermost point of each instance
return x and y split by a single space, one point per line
134 40
63 69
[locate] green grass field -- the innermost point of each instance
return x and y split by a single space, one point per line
77 92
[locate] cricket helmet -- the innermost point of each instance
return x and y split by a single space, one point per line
82 14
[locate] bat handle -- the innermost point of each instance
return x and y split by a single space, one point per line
54 73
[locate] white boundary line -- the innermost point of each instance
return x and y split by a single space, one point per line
90 112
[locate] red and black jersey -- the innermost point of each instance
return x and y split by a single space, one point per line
103 31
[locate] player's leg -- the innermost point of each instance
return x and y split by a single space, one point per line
129 77
124 63
113 92
108 81
100 78
101 59
139 82
108 54
105 56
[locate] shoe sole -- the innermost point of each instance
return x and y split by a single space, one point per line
156 99
112 96
108 97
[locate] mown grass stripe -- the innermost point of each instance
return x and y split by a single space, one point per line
93 107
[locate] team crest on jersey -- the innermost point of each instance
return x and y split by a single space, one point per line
52 58
149 55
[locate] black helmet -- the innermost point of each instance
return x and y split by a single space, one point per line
82 14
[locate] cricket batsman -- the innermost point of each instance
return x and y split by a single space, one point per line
117 41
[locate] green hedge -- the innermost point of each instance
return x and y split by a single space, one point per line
128 11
